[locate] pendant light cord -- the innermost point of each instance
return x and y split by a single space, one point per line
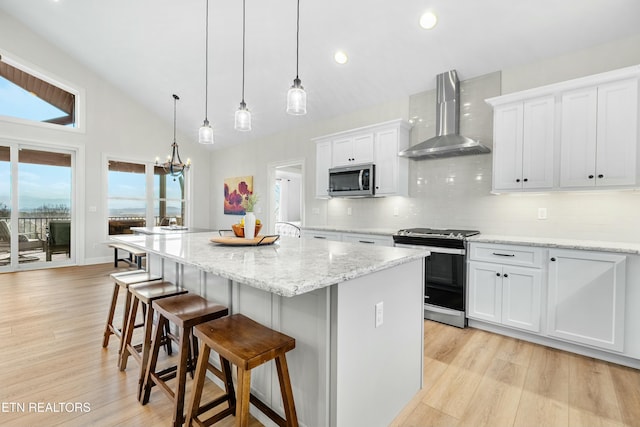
297 37
175 100
243 45
206 66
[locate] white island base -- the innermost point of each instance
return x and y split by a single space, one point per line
345 370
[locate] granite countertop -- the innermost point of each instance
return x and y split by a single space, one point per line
550 242
290 267
343 229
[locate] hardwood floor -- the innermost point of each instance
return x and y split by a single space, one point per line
476 378
54 371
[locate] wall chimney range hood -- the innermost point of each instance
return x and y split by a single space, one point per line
448 142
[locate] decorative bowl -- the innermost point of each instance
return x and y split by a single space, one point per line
238 229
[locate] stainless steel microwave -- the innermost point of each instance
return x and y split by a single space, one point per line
352 181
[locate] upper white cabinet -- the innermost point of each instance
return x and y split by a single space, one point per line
586 300
352 150
599 136
378 144
578 134
523 145
323 163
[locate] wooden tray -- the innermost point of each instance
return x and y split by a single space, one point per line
241 241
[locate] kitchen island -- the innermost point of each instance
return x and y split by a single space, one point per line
354 310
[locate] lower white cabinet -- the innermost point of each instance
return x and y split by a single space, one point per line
363 238
586 298
505 294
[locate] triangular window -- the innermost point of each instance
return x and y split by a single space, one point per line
25 96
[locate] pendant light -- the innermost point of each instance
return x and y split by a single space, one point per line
174 165
205 133
243 115
296 96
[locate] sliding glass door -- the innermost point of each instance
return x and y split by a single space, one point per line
36 205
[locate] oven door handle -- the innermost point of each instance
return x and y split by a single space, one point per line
433 249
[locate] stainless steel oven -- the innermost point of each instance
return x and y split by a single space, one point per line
445 277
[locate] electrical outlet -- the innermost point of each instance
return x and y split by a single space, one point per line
396 211
542 213
315 211
349 211
379 314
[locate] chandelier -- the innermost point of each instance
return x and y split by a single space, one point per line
174 166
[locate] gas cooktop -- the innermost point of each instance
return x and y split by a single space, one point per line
433 232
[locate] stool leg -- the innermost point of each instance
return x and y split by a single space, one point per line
196 394
178 412
125 318
243 396
127 337
146 347
226 370
153 360
286 391
107 329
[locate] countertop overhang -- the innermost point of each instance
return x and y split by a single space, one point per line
550 242
293 266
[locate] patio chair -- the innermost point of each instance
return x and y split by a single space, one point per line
25 243
59 238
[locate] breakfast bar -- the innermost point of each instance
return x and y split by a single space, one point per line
355 311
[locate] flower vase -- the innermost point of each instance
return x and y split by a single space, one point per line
249 225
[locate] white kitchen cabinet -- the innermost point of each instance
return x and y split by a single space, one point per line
320 234
586 298
352 150
599 136
523 145
323 163
368 239
378 144
392 171
504 294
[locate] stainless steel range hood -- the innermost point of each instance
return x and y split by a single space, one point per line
448 142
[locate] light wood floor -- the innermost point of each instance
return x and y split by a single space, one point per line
51 324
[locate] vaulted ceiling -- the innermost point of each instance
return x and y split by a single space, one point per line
153 48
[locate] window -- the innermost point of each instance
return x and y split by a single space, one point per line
128 201
24 95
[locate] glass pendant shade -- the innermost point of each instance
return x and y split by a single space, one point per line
296 99
243 118
205 133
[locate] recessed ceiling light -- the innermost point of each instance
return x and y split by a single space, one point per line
428 20
341 57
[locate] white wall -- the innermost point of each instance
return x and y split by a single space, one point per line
437 200
115 125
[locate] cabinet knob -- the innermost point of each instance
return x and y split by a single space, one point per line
590 176
526 179
505 275
553 259
498 274
600 176
518 180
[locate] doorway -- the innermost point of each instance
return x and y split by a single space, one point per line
36 202
286 180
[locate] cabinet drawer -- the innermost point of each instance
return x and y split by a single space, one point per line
316 234
371 239
507 254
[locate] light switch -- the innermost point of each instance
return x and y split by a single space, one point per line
379 314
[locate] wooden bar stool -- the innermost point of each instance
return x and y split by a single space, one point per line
146 294
185 312
122 281
246 344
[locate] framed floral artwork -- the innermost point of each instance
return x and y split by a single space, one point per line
235 191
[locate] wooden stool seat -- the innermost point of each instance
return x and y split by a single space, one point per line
122 281
145 293
134 257
246 344
185 312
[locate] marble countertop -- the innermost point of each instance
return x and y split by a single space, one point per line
343 229
290 267
550 242
167 230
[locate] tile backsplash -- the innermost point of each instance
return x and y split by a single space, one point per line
456 192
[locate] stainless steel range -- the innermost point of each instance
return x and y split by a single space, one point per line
445 271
